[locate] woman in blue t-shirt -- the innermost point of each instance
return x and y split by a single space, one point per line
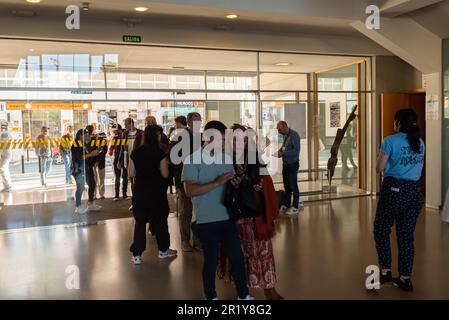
401 159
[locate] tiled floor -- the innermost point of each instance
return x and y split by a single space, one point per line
322 254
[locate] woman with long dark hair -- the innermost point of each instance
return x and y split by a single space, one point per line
401 159
255 229
149 202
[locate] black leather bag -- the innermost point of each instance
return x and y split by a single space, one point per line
241 202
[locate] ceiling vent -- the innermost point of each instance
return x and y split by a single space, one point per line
24 13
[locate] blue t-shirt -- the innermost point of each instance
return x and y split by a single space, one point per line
208 207
403 162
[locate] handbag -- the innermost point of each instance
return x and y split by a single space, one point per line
241 202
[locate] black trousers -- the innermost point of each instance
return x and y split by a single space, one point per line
400 203
90 179
216 235
290 178
121 173
158 222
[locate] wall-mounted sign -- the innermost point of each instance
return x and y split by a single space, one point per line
49 106
81 92
135 39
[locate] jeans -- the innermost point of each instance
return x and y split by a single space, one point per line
45 167
290 177
400 203
79 179
90 179
4 171
216 235
67 158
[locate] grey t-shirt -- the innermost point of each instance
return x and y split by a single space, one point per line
208 207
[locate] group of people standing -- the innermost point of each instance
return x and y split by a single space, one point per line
240 246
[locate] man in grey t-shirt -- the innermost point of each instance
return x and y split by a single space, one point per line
205 183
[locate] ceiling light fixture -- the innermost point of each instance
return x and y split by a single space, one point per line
141 9
85 6
282 64
31 50
232 16
33 1
86 106
28 106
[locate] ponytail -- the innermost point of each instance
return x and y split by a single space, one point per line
407 119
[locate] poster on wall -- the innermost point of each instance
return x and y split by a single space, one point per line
335 119
432 107
335 116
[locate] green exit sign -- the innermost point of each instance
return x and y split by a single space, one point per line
132 39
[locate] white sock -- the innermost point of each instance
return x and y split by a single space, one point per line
385 271
403 278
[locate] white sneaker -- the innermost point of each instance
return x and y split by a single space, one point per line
283 209
294 210
137 260
80 210
248 297
168 254
116 199
93 207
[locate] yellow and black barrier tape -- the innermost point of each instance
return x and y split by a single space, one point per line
65 143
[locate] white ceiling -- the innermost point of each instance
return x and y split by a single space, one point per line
11 51
166 12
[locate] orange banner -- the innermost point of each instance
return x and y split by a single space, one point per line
48 106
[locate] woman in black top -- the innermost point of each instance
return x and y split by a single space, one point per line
80 155
149 200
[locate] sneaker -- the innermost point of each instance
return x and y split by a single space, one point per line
93 207
79 210
116 199
130 208
186 246
167 254
283 209
404 284
301 206
137 260
125 197
292 211
386 278
248 297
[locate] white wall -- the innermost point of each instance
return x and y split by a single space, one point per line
434 144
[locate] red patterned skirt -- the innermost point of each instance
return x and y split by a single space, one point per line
259 259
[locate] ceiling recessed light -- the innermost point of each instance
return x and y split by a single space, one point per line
86 106
232 16
141 9
86 6
28 106
33 1
282 64
32 50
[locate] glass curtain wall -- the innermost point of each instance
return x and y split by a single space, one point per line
250 88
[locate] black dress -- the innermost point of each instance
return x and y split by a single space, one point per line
149 200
